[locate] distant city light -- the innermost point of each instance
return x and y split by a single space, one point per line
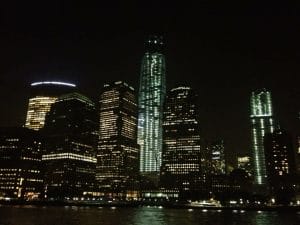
53 82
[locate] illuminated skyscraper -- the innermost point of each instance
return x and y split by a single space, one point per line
181 141
70 146
150 103
262 123
42 96
118 155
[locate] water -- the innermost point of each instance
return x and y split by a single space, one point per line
34 215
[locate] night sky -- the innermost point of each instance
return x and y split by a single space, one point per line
224 51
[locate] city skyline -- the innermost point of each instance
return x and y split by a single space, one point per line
222 57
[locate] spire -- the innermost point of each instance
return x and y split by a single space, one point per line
154 43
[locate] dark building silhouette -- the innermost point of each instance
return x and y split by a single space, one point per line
279 154
281 166
70 141
213 158
118 152
42 96
181 167
20 163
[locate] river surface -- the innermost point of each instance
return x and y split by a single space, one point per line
38 215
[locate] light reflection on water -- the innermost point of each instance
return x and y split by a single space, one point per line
73 215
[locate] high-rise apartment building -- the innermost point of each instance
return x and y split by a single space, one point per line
261 123
150 105
181 161
20 163
42 96
118 152
70 147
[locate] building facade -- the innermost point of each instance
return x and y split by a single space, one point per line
20 163
262 122
70 147
150 105
244 163
181 161
279 154
218 165
281 166
42 96
118 152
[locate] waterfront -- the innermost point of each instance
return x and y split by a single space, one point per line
73 215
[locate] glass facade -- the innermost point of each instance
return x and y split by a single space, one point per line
118 152
181 161
43 95
261 124
20 163
150 105
70 147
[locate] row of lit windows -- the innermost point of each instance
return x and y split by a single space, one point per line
69 156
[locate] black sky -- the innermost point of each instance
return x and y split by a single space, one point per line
222 50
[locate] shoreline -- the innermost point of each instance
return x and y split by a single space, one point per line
146 204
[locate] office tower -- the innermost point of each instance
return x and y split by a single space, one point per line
118 152
279 154
218 157
20 163
261 124
42 96
244 164
150 105
70 147
181 141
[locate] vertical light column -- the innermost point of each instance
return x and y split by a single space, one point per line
262 123
151 96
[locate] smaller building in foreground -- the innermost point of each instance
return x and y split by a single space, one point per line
20 163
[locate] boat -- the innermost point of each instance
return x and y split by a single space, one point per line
205 203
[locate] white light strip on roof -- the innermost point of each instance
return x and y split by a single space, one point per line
53 82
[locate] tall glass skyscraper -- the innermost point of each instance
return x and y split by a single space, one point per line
151 97
261 124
